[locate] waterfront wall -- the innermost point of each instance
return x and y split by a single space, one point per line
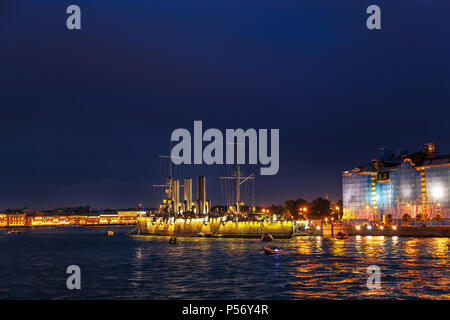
400 231
214 227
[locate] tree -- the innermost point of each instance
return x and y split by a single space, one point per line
406 218
320 207
289 207
276 209
389 219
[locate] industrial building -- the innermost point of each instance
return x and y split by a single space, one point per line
399 186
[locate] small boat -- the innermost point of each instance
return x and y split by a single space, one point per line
272 250
342 235
109 233
173 240
267 237
15 231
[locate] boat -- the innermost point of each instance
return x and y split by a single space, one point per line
342 235
272 250
267 237
15 231
194 218
173 240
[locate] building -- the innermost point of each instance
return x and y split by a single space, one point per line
399 185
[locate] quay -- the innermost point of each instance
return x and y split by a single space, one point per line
399 231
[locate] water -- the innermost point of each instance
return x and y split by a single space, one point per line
33 266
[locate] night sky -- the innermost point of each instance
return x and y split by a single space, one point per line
85 114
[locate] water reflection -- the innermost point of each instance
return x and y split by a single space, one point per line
410 268
124 267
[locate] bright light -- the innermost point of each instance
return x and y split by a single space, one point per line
395 237
369 237
337 208
367 207
369 227
381 227
358 227
394 227
318 228
358 237
437 192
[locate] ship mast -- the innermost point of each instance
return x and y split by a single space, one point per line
168 185
238 184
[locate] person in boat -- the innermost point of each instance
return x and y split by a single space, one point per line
267 237
173 240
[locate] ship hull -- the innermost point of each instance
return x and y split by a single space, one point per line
214 228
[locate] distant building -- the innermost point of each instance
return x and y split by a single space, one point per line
399 184
13 219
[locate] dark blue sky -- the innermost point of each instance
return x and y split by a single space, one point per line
84 114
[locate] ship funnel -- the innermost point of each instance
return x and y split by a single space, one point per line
201 194
188 193
176 194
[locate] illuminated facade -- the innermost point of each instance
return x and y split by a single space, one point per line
22 220
399 185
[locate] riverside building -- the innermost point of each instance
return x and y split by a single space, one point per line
399 186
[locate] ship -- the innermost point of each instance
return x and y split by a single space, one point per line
189 218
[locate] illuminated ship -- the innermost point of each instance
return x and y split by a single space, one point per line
195 218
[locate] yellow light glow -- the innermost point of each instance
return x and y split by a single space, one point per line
381 227
358 227
318 228
394 227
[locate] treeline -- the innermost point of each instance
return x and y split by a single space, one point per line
302 209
